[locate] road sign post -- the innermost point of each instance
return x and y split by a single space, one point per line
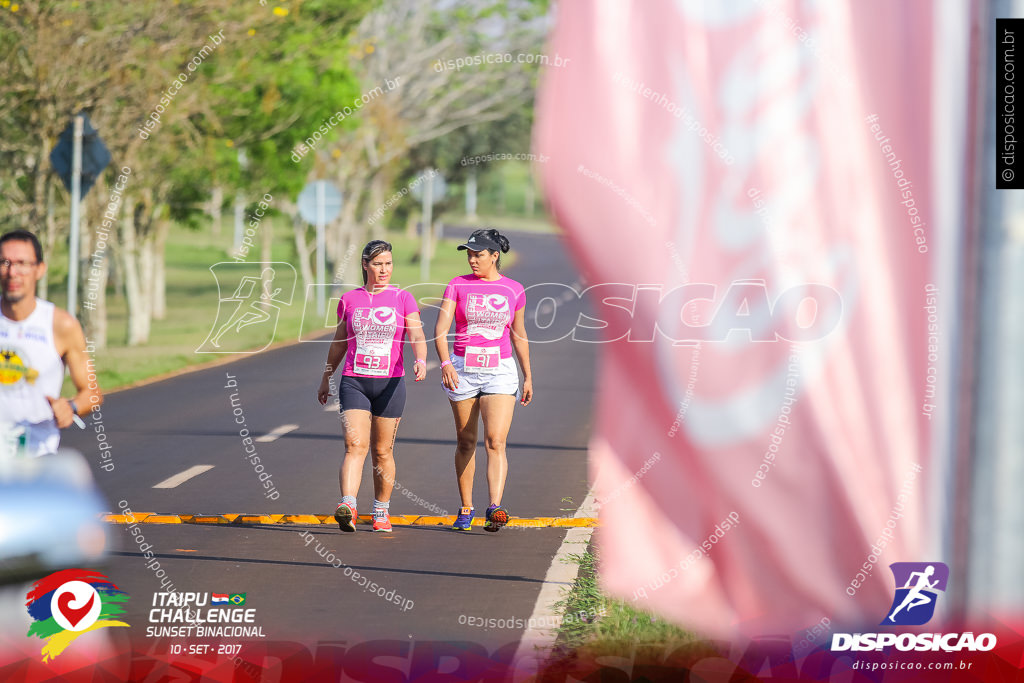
428 216
76 214
78 158
430 192
321 247
319 204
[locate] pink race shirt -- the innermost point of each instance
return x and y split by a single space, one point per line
483 317
375 325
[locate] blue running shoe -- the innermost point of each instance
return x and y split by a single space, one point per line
497 517
465 519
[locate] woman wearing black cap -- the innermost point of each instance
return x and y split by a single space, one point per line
480 376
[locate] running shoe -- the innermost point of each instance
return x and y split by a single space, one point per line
497 517
465 519
381 520
346 517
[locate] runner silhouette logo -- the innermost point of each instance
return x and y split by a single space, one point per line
251 297
918 585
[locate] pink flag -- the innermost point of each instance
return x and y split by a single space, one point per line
772 179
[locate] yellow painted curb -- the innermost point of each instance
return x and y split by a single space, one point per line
126 519
300 519
242 519
163 519
537 523
425 520
573 521
209 519
255 519
402 520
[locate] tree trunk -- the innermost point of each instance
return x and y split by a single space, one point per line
95 270
411 223
214 209
378 185
159 279
303 250
40 171
333 229
144 318
471 195
50 235
98 315
116 275
346 226
239 225
134 263
266 253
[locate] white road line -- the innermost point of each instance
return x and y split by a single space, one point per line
182 477
276 433
538 641
331 407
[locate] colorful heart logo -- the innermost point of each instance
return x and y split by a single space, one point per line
76 605
73 614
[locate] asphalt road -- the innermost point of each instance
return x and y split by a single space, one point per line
163 429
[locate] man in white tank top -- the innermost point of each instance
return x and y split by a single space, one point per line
37 341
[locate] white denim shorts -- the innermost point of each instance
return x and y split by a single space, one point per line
473 384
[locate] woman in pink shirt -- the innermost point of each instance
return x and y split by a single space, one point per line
480 376
372 322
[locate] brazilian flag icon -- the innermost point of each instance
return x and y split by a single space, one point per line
237 599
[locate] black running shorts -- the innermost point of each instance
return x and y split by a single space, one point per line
382 396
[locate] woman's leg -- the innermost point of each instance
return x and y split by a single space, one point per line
496 411
467 413
384 430
357 444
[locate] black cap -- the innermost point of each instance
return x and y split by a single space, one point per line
479 243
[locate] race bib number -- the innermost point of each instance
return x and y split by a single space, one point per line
486 359
371 364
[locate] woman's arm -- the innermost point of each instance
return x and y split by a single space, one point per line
335 356
414 330
445 314
521 345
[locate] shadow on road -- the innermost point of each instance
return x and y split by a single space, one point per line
324 565
337 437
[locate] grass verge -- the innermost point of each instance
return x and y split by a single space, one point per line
595 625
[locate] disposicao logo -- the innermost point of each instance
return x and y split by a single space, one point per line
917 588
68 603
918 585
